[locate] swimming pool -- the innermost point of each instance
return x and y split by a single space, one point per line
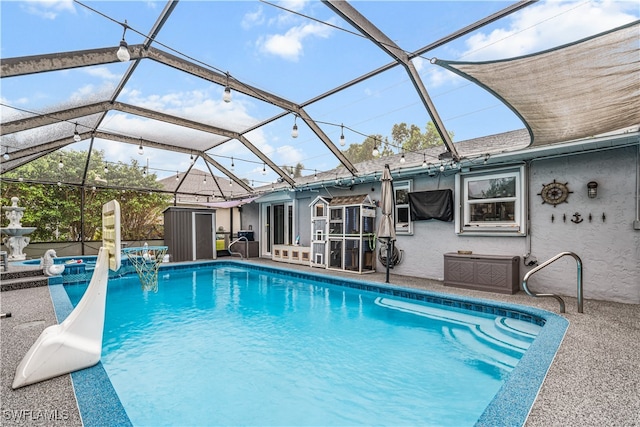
304 383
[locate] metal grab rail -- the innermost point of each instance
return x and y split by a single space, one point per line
543 265
246 247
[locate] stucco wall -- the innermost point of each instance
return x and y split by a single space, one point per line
303 217
251 218
609 249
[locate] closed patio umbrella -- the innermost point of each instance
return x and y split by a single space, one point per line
387 227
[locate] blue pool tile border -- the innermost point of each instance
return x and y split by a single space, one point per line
510 407
98 402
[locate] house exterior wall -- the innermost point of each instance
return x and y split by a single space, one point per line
251 218
609 249
303 217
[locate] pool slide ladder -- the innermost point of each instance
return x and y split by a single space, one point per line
557 297
246 247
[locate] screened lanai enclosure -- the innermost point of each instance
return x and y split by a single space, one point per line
257 96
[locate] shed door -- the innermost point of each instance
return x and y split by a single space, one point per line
203 236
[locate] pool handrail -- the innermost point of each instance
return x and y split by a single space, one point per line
246 247
526 277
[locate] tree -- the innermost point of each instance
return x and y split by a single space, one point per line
56 209
357 153
294 171
410 138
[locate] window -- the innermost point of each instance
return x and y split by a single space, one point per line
403 212
491 202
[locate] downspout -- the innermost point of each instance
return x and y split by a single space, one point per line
529 260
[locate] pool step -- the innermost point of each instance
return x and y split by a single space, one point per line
481 350
18 277
503 339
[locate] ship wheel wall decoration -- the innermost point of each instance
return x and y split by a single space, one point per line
554 193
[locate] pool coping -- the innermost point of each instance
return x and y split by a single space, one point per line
510 406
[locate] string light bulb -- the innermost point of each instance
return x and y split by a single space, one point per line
375 151
424 160
294 130
106 168
6 156
191 159
264 169
123 51
177 176
204 180
233 166
76 135
342 140
226 96
60 164
140 149
402 159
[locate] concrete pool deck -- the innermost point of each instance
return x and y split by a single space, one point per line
593 381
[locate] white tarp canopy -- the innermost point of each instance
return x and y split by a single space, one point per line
574 91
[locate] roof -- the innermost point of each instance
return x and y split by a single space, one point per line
356 199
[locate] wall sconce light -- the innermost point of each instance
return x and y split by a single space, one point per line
592 189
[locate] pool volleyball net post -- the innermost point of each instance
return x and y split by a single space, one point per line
146 260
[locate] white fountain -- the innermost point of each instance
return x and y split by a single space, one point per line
16 235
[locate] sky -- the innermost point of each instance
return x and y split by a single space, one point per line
297 50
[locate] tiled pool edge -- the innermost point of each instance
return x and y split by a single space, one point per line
98 403
510 407
513 402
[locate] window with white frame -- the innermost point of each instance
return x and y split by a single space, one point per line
492 202
402 211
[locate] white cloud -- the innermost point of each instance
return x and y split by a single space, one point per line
253 19
48 9
289 155
419 63
295 5
90 92
546 25
438 77
205 106
101 72
289 45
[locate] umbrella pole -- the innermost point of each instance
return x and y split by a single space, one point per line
388 259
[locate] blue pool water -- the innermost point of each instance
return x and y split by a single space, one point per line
222 345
